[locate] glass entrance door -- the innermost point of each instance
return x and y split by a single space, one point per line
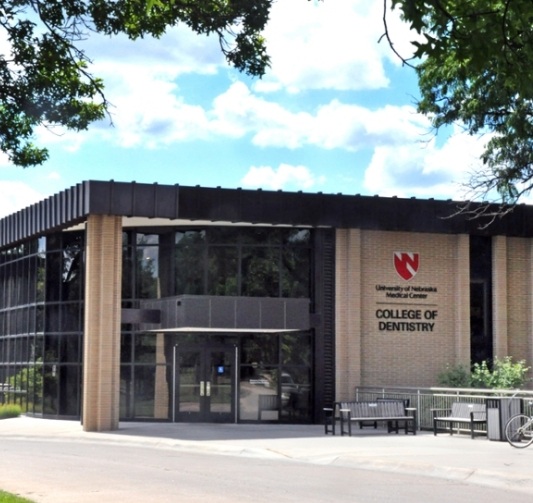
204 383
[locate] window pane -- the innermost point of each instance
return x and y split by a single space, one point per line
50 389
72 270
147 272
296 349
296 272
144 391
71 319
298 237
296 394
69 391
260 272
70 348
126 348
258 386
190 237
190 270
145 345
259 349
126 392
223 235
223 271
261 235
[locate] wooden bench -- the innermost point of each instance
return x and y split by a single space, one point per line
473 414
392 412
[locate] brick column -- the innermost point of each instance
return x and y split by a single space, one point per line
101 357
499 297
348 314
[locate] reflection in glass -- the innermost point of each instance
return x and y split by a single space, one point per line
220 379
190 270
259 349
147 266
296 272
189 381
259 394
145 348
144 391
260 272
296 348
50 389
126 391
69 383
223 271
296 393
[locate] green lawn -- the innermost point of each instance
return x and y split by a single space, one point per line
11 498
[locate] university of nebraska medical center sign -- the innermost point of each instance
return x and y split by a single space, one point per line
406 307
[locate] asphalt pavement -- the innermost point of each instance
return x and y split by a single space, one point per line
454 457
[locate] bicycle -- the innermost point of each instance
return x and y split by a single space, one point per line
519 428
519 431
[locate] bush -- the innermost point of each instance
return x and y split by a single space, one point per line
505 374
455 376
9 410
502 374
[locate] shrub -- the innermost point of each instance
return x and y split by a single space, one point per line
502 374
9 410
455 376
505 374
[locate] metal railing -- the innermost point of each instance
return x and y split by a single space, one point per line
425 399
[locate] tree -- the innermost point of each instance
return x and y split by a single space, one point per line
474 61
45 78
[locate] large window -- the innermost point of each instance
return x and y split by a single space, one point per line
218 261
481 347
250 262
41 324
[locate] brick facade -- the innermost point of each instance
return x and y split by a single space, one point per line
396 332
513 300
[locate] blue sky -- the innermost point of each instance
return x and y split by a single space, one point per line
335 113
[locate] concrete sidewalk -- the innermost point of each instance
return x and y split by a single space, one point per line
456 457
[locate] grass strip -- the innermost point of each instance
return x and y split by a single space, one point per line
12 498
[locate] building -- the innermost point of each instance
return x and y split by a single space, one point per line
151 302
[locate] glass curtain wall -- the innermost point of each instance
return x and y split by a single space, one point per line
41 317
41 325
222 261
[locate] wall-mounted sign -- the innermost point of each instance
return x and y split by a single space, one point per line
406 264
406 308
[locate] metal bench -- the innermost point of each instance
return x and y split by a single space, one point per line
472 414
391 412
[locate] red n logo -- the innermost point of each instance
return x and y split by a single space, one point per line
406 264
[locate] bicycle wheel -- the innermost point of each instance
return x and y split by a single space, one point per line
519 431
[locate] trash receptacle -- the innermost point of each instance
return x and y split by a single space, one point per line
499 411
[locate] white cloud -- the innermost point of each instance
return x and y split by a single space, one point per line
284 177
425 170
16 195
330 45
314 45
179 51
332 126
238 112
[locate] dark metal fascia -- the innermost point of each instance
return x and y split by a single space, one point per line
72 206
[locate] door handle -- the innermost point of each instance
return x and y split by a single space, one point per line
208 388
202 388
